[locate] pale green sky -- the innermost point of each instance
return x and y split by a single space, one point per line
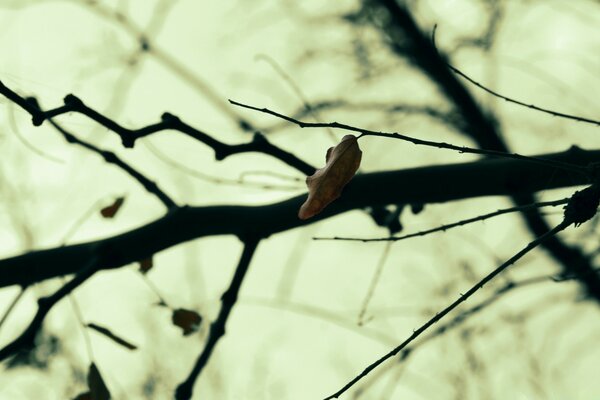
294 333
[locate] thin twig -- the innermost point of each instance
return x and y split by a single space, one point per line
217 328
373 284
416 333
82 326
297 91
520 103
258 144
45 304
444 228
112 158
12 305
442 145
213 179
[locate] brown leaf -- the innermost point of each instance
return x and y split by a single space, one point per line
109 334
111 211
187 320
146 265
98 389
326 184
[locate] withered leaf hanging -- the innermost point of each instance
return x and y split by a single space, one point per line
326 184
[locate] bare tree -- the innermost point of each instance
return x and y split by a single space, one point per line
433 118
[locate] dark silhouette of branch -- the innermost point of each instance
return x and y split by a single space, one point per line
407 40
217 328
418 332
442 145
463 222
520 103
169 122
435 113
111 158
463 316
45 304
431 184
215 179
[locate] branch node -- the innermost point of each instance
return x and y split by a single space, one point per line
582 206
169 118
259 138
73 101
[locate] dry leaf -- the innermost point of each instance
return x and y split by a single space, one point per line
187 320
146 265
326 184
111 211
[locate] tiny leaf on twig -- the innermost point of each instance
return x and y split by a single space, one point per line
146 265
326 184
188 320
111 211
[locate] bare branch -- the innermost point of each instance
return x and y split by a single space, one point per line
112 158
45 304
450 307
444 228
520 103
442 145
217 329
431 184
169 122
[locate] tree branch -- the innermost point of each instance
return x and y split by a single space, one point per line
112 158
431 184
441 145
520 103
45 304
217 329
444 228
258 144
438 316
406 39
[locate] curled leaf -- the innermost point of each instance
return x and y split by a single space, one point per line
326 184
111 211
188 320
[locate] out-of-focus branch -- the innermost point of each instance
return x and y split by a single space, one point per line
217 329
431 184
520 103
406 39
167 60
438 316
45 304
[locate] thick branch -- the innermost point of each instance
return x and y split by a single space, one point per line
432 184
